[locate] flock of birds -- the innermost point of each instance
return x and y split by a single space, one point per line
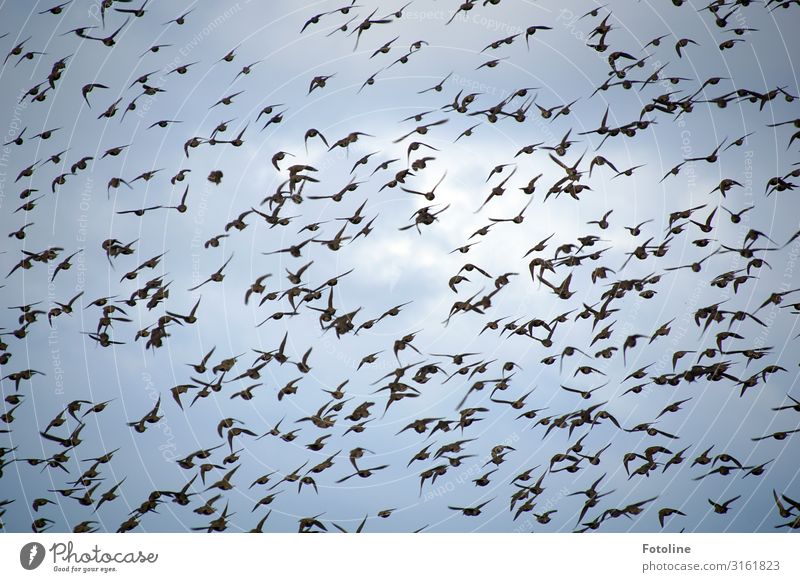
331 445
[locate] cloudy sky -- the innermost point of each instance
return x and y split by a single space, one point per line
393 266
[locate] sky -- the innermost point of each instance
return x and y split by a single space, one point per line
393 266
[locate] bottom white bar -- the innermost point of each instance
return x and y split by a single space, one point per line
620 557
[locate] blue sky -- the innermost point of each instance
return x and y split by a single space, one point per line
393 266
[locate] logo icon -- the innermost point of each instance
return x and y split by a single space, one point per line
31 555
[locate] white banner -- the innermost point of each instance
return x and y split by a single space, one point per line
620 557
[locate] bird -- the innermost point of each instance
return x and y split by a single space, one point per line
151 417
722 507
216 277
471 511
